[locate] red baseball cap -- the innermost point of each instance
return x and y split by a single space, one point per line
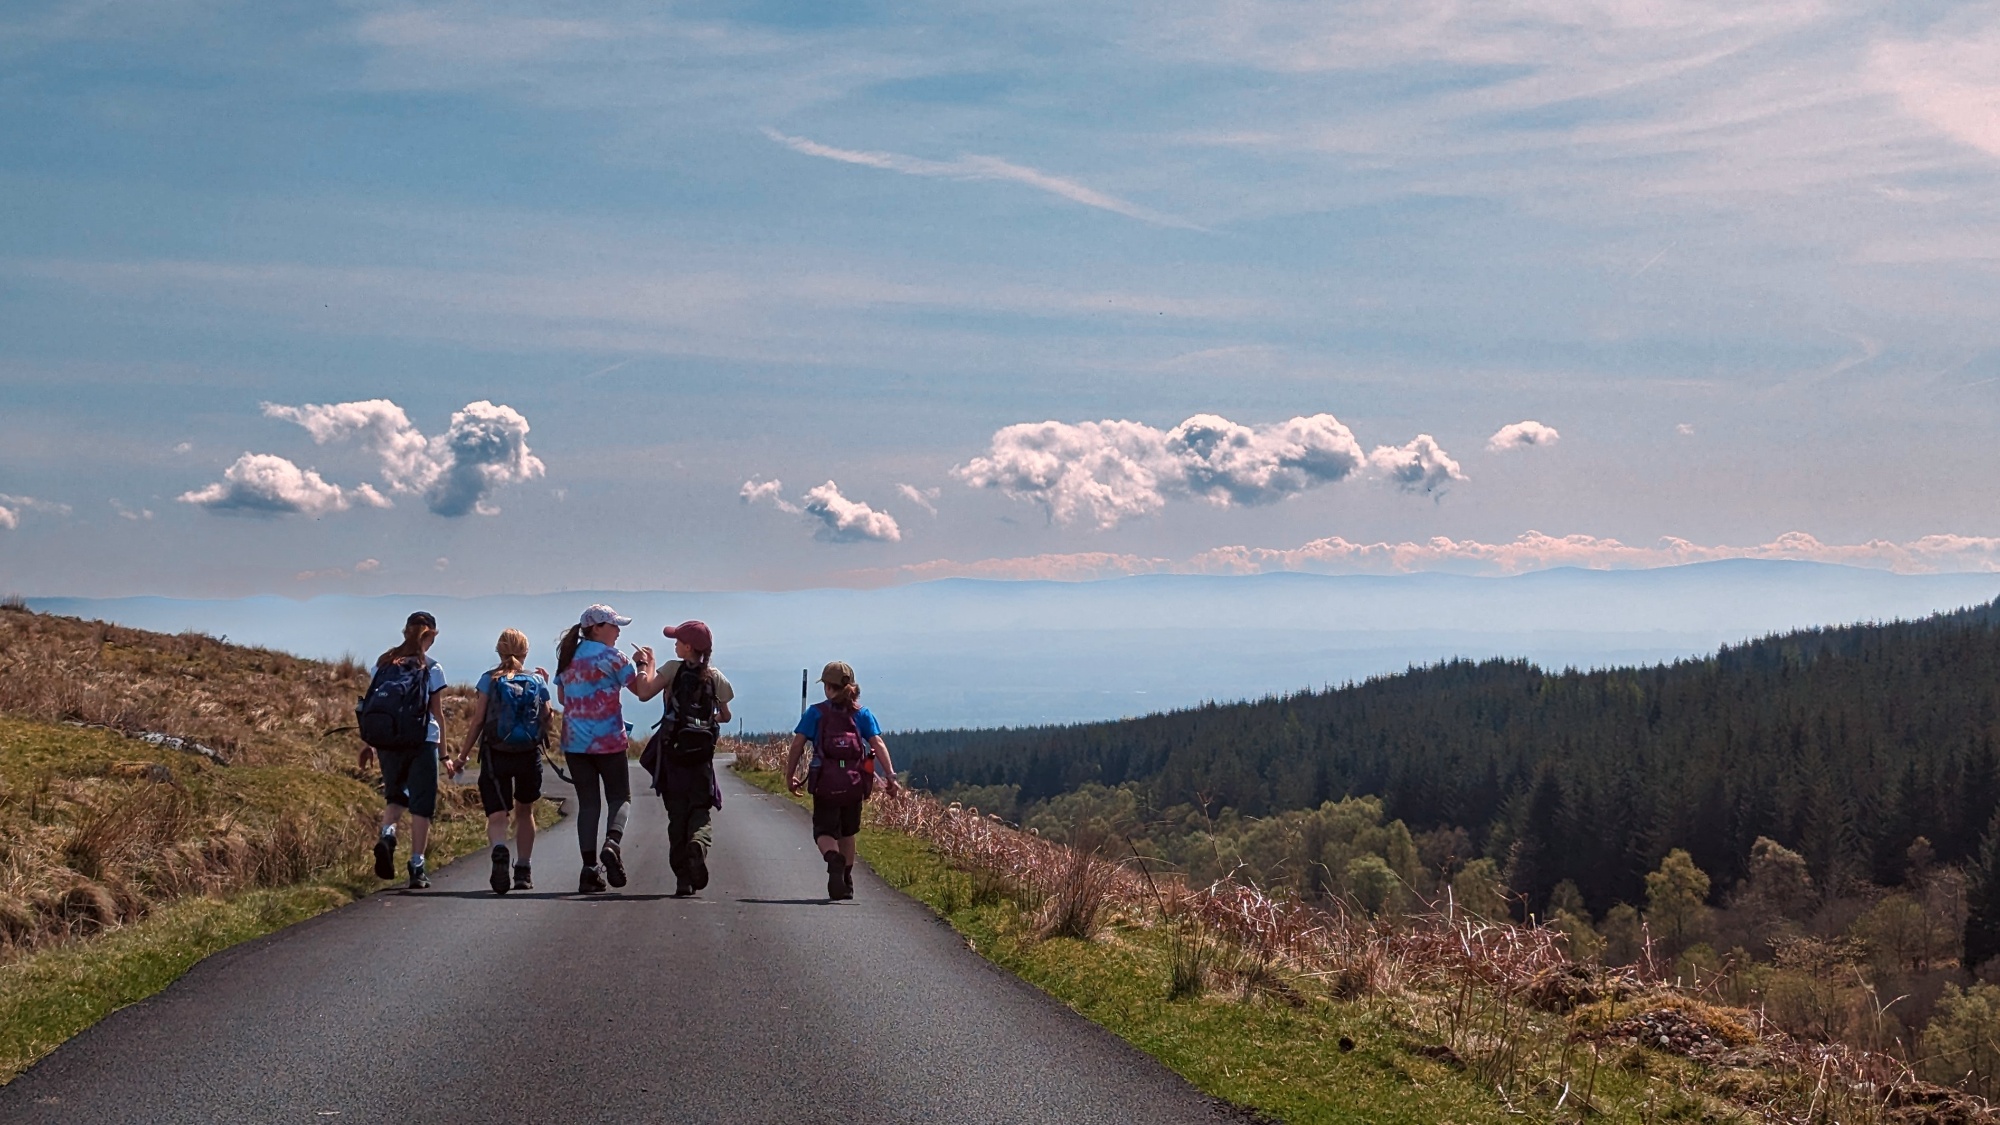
694 633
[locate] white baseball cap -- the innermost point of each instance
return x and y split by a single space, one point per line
602 615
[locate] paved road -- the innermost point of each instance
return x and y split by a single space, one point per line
757 1002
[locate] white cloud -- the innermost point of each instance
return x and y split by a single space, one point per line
972 167
768 492
1521 435
1421 465
367 566
1950 82
126 513
848 521
1684 429
484 447
440 563
183 447
13 507
262 484
925 498
1528 552
1110 471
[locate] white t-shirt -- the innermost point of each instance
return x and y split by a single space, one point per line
436 684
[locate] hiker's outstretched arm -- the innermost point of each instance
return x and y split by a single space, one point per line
474 723
792 762
884 766
647 681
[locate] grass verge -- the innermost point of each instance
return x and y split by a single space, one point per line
54 993
1299 1060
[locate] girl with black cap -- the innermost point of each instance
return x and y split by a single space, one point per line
683 753
402 722
848 756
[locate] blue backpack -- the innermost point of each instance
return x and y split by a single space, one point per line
514 706
396 712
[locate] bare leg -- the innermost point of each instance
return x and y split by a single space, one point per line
391 814
496 828
524 832
420 834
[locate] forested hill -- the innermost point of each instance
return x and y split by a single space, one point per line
1842 743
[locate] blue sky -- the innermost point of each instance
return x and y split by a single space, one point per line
572 286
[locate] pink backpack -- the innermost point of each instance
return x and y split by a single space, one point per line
846 771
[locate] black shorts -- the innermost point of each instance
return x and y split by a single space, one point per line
837 821
507 779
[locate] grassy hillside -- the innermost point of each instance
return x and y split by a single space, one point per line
162 797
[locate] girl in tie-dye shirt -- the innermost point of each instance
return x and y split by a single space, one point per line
591 674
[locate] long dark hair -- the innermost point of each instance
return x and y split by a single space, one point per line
566 648
412 646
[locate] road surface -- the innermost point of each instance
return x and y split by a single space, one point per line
756 1002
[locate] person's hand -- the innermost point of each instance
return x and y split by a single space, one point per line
367 756
643 657
791 783
894 790
541 671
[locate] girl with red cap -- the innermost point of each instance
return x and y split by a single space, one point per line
683 752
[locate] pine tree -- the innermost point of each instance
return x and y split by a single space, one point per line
1982 900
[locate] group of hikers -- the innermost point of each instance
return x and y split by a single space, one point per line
401 723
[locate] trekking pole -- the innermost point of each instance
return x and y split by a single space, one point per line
803 673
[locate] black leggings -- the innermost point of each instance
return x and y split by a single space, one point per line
588 771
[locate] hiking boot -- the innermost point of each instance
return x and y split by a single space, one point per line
697 868
385 857
683 889
613 859
499 881
836 877
591 882
847 877
420 878
523 878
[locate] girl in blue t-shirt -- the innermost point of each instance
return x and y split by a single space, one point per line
837 817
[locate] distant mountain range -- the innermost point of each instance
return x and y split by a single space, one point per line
965 653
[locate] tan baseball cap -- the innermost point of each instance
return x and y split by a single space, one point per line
837 674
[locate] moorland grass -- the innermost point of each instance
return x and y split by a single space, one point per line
1286 1045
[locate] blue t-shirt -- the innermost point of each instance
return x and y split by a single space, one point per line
864 725
435 684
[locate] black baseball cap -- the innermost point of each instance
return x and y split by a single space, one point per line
421 618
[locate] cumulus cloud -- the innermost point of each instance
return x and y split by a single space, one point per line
1110 471
1420 466
9 518
262 484
1531 551
1521 435
848 521
127 513
925 498
768 492
483 448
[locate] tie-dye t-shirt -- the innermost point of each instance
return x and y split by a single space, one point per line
593 712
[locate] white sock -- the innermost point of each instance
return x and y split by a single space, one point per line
417 860
389 830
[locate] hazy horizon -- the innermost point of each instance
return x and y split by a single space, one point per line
963 652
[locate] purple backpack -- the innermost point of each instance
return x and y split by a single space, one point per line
846 771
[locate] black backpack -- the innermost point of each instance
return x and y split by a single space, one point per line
691 739
396 712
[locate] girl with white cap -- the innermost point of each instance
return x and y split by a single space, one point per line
590 674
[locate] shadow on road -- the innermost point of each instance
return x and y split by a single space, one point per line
787 901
